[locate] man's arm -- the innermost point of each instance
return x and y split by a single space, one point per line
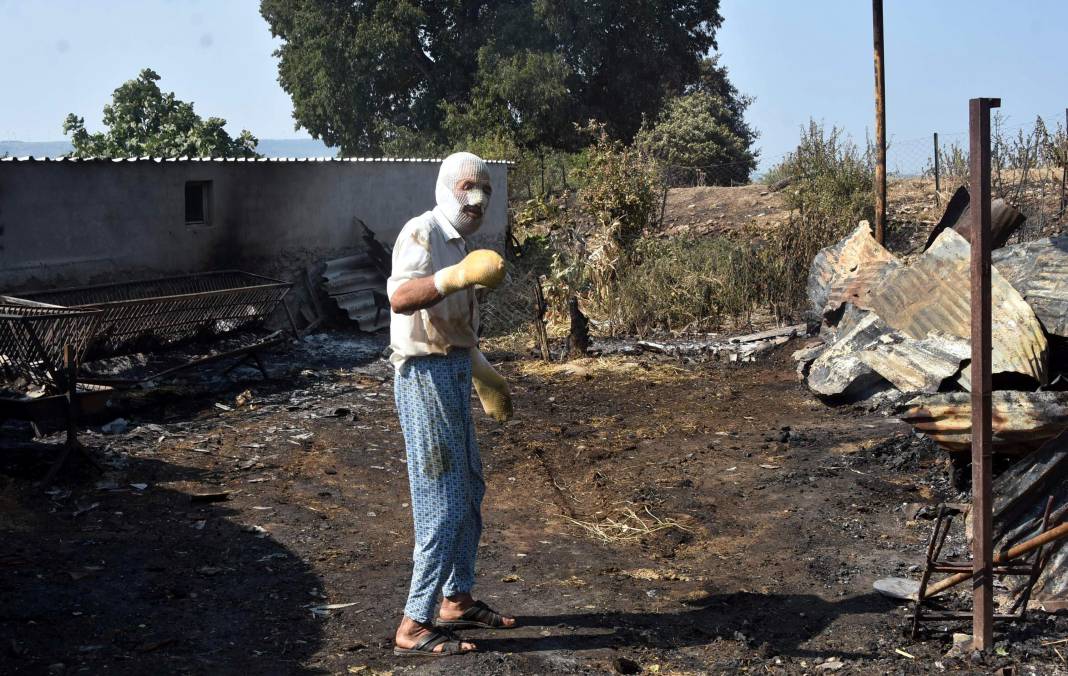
414 295
482 267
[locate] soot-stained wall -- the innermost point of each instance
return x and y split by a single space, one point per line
68 223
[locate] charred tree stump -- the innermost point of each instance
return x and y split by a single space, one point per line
578 341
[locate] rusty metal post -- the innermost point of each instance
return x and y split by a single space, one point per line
880 123
937 173
982 546
1064 165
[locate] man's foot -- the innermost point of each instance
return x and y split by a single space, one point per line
462 611
412 635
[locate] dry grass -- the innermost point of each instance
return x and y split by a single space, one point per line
590 367
653 575
626 526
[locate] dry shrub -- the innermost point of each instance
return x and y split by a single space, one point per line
830 180
591 245
686 285
621 188
830 191
634 285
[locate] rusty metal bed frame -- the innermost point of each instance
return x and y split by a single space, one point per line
43 345
156 313
45 336
37 338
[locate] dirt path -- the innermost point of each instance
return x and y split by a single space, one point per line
766 515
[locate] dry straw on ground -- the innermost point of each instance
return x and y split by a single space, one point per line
626 526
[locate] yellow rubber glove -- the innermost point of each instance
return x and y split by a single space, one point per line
481 266
492 389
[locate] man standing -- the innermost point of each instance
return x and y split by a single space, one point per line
434 336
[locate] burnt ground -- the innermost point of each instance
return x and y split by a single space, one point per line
765 518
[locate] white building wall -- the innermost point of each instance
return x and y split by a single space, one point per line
85 222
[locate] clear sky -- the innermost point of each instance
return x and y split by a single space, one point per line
800 58
813 58
67 56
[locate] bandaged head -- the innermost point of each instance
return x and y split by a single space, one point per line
463 191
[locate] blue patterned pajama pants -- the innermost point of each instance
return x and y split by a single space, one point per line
433 396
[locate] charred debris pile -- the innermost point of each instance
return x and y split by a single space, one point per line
896 334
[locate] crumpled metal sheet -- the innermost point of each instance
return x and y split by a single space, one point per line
1051 588
359 289
916 365
1039 271
846 271
1020 498
838 371
1022 421
933 294
1004 219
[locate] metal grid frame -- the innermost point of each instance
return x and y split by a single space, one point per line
151 314
38 340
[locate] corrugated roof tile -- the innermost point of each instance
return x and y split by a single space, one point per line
186 158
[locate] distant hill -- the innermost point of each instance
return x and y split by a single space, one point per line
34 148
294 147
269 147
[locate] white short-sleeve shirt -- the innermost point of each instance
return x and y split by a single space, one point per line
426 244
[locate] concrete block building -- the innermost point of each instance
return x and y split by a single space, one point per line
66 222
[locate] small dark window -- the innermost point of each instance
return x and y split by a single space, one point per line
197 202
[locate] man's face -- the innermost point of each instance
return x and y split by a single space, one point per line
472 192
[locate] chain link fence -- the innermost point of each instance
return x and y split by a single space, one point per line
511 308
726 174
1028 170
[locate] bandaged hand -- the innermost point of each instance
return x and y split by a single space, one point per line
481 266
492 389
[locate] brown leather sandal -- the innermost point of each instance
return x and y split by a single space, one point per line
425 648
479 615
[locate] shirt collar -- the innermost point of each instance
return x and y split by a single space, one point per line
446 225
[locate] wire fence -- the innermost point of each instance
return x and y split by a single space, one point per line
511 307
726 174
1028 170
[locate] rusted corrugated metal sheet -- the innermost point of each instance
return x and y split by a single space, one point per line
358 283
916 365
1022 421
359 289
933 294
1021 493
846 271
838 371
1039 271
1004 219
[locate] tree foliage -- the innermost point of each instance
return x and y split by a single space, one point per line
143 121
523 98
374 74
703 134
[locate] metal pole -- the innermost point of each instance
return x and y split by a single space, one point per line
938 181
982 546
1064 160
880 123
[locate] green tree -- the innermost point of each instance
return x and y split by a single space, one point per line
703 134
374 74
523 98
143 121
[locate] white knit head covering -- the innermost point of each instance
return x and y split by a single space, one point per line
452 199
